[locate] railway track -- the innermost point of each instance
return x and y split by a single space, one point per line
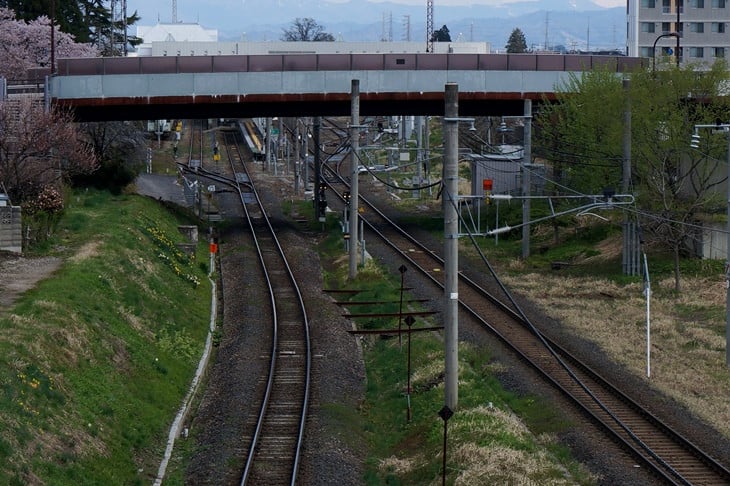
666 453
272 439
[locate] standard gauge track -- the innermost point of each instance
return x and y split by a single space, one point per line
666 453
272 442
195 152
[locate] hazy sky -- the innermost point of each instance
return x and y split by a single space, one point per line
436 3
223 14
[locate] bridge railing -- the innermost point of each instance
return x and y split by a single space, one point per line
343 62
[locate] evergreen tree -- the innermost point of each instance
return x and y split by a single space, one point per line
88 21
441 35
516 43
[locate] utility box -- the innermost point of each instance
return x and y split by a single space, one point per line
11 234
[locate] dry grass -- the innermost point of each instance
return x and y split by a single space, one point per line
687 352
88 250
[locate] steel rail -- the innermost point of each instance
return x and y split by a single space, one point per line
661 466
283 448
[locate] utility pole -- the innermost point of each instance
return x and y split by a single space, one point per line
297 155
419 155
630 257
354 159
451 245
526 183
53 37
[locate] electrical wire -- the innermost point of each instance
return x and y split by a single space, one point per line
550 349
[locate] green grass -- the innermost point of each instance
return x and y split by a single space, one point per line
95 361
409 452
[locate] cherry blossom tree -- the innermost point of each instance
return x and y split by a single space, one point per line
39 149
25 45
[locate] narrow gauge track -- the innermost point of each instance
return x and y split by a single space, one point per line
666 453
273 441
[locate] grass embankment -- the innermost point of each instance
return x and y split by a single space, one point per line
593 299
94 362
495 437
574 274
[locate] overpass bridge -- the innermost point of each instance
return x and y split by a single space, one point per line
238 86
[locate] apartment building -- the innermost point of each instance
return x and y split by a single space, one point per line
700 26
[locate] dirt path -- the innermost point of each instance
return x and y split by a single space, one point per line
18 274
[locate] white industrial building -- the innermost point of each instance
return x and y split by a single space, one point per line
181 39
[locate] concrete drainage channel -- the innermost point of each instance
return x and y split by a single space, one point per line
202 365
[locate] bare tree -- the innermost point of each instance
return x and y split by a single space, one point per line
120 148
306 29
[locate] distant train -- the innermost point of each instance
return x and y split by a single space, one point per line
254 138
159 126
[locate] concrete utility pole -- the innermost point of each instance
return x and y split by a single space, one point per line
297 155
419 155
317 169
354 162
451 245
630 257
526 168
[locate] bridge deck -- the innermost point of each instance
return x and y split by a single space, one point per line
312 84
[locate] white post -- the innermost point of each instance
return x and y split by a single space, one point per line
647 293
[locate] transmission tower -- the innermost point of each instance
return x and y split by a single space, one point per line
174 11
429 25
407 28
118 34
386 34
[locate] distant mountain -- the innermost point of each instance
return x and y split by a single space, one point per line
574 24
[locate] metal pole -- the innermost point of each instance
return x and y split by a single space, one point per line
427 153
630 251
647 292
317 161
354 159
268 143
676 54
419 154
297 155
451 248
53 37
527 157
727 264
305 139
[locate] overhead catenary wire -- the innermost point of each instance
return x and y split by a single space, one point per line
560 361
